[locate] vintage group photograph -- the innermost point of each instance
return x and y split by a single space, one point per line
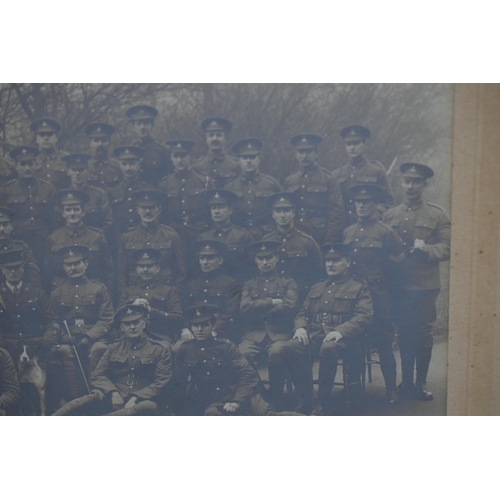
224 249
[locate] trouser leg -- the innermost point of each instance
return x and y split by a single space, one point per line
74 377
97 349
328 361
387 361
277 369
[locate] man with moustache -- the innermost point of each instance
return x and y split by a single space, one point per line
320 209
151 234
156 162
253 188
97 209
31 200
299 255
221 167
104 172
184 210
50 166
360 170
331 323
72 205
32 273
425 230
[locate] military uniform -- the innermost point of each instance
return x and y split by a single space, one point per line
320 211
341 304
10 392
97 210
31 200
415 301
377 253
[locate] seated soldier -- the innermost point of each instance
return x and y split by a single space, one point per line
332 323
10 392
219 380
215 287
269 303
162 301
72 204
221 204
86 307
131 374
32 273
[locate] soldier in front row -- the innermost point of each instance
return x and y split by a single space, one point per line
425 230
377 257
130 376
331 323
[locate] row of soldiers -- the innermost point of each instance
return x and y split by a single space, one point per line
310 268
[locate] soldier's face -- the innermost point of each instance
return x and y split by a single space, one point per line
143 128
130 167
13 274
337 266
148 213
413 188
365 208
133 329
46 140
216 139
6 229
249 163
209 263
220 212
99 145
147 271
75 269
355 148
283 216
73 214
26 168
78 176
181 161
267 264
202 331
306 157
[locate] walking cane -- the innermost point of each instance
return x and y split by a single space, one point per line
77 356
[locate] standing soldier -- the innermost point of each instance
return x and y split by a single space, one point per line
221 167
320 208
32 273
299 256
72 204
221 203
253 188
151 234
425 231
125 216
50 166
360 170
97 210
162 302
31 200
214 287
184 208
156 162
87 308
332 321
377 253
269 303
104 171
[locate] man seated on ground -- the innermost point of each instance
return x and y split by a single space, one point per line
161 301
219 380
10 393
131 374
269 303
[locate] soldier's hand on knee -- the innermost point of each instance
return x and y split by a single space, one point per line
301 335
186 334
336 336
277 302
231 407
131 402
85 340
116 401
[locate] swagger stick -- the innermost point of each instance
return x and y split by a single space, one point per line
77 356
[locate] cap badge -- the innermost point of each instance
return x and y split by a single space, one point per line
352 132
249 145
304 139
179 145
44 124
129 311
213 124
146 196
363 191
282 199
127 151
71 253
413 169
98 129
216 195
70 196
78 159
24 151
263 247
207 247
198 313
145 256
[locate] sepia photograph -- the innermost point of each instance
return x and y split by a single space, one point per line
225 249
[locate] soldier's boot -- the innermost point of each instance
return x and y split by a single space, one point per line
388 367
423 361
327 374
276 385
407 387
